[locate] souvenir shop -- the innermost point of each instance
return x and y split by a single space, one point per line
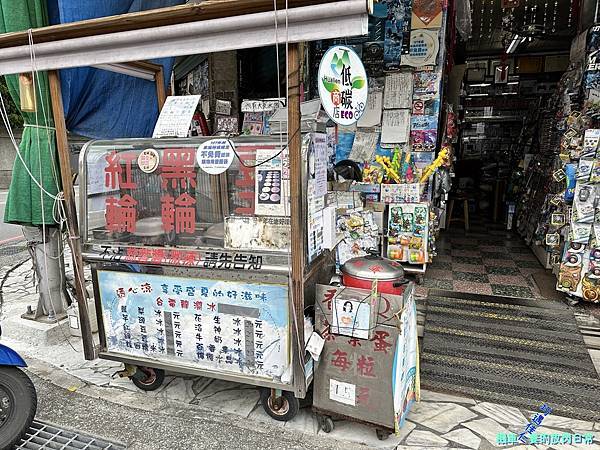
514 226
270 231
450 142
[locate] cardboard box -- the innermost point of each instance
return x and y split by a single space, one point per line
353 377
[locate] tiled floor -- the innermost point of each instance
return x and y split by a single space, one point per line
486 260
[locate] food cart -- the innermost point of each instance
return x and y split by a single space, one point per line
189 241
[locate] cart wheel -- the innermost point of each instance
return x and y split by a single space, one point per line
326 423
283 408
419 279
147 378
381 434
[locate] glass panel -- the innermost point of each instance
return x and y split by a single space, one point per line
153 192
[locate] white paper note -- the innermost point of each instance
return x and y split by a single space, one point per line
342 392
363 148
396 126
372 114
398 90
315 345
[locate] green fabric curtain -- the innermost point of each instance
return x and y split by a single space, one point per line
26 203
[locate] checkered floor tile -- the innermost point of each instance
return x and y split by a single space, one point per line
485 260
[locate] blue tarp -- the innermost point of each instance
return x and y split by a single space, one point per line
101 104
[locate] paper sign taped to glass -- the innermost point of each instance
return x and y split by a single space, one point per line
226 326
257 233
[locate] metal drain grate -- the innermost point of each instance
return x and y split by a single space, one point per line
9 250
45 436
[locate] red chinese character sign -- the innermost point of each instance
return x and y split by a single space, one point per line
215 156
343 85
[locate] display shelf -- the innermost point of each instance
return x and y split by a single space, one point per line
541 254
493 119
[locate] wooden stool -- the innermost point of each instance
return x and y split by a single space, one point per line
449 218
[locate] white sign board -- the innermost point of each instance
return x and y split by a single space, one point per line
176 116
343 86
215 156
342 392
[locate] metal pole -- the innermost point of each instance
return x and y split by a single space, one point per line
72 227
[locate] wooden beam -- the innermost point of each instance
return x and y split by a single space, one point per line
159 79
298 246
210 9
73 229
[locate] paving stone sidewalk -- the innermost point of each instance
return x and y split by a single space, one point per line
438 421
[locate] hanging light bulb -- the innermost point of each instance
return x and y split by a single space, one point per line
27 92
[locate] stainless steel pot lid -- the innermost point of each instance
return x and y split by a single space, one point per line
373 267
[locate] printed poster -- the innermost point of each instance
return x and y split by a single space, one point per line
372 115
395 127
216 325
405 371
270 190
318 163
426 14
424 46
398 90
397 32
408 230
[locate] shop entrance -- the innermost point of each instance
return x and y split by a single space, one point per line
492 240
496 326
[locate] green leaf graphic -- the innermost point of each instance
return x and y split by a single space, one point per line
358 82
330 86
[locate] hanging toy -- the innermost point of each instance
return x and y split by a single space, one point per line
386 164
430 170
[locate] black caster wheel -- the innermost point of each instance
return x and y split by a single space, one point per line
147 378
419 279
325 423
381 434
282 408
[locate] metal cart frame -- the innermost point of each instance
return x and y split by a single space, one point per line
213 26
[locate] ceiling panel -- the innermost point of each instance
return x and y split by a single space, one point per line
550 23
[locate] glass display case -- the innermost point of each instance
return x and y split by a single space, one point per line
190 246
152 193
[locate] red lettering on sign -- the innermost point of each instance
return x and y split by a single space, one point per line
121 214
185 214
365 366
354 342
329 294
114 172
178 167
341 360
167 213
362 396
387 307
380 344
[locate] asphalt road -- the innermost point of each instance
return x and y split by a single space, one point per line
177 429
